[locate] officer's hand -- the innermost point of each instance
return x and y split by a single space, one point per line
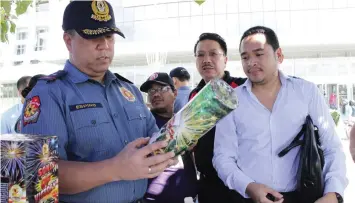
259 193
133 163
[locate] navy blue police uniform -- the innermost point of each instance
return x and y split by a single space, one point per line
93 121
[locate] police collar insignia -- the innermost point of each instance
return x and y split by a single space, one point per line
32 110
127 94
100 10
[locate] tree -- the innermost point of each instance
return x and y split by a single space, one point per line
199 2
8 16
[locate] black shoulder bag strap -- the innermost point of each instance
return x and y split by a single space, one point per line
295 142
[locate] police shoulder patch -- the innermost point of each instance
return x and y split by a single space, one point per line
32 110
53 77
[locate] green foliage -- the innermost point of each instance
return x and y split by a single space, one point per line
6 5
336 117
12 27
4 30
7 19
21 6
199 2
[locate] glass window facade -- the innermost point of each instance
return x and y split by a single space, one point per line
295 21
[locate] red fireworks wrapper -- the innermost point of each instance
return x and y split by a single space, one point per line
30 164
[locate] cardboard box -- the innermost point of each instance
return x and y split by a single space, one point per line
29 163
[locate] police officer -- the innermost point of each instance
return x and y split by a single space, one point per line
100 118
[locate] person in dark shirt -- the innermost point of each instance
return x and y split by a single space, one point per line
211 58
179 181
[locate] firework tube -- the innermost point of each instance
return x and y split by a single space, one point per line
196 118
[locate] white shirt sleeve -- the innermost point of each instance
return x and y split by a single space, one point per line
226 156
335 169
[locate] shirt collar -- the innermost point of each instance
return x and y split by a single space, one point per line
78 77
109 77
283 77
226 78
184 88
74 73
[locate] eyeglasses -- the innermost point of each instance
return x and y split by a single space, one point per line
158 90
212 54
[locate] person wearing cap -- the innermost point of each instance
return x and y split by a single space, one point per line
181 78
210 52
100 118
177 182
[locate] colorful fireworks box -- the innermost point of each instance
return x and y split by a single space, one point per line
29 168
196 118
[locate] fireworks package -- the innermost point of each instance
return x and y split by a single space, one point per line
196 118
29 168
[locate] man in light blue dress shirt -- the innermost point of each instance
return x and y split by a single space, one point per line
272 109
181 78
10 116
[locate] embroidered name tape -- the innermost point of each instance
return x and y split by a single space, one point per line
84 106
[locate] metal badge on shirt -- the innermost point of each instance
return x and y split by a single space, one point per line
127 94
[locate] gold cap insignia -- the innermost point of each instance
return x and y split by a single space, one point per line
101 11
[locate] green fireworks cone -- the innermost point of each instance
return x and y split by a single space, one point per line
197 117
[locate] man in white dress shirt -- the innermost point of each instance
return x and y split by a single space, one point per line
272 109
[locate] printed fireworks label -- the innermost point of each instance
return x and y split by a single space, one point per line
30 164
196 118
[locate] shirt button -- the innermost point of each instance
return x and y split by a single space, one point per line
115 115
126 142
93 122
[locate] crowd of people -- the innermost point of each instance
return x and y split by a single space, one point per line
104 126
